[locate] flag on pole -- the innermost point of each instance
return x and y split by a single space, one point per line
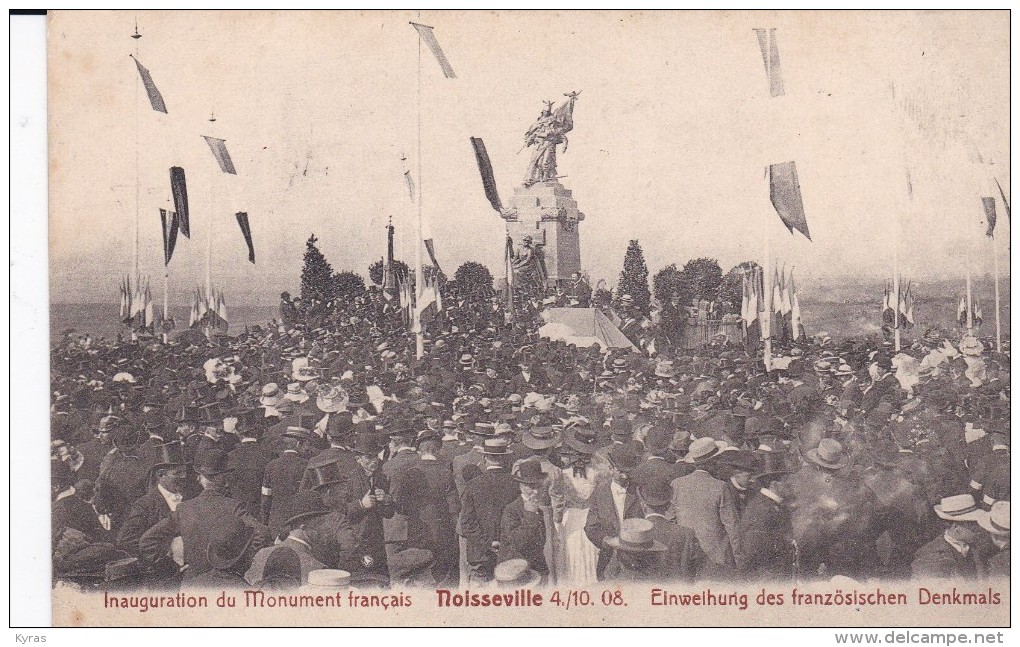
485 169
989 205
170 226
155 98
219 151
796 325
179 187
147 315
961 312
907 309
784 191
431 249
125 299
770 57
430 39
1005 202
242 220
787 302
888 307
978 315
410 184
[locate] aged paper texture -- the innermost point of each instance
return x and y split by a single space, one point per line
530 318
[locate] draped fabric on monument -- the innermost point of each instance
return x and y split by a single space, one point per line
583 327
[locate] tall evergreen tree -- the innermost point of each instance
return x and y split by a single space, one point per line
634 278
316 275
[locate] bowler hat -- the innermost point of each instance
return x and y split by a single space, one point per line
623 458
368 444
529 472
829 454
656 493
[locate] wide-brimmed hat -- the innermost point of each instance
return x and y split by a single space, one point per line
211 463
306 504
271 395
496 447
331 399
581 439
624 458
529 472
539 438
227 549
960 507
635 537
996 520
516 573
829 454
701 450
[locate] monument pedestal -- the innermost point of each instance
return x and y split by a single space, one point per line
547 212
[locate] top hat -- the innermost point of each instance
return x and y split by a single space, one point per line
226 550
211 463
635 537
368 444
529 472
153 420
829 454
169 454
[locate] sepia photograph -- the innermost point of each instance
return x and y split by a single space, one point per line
529 318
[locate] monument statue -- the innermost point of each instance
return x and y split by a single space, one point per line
548 132
529 265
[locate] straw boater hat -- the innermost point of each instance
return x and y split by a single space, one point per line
328 578
635 537
829 454
271 395
701 450
996 520
496 447
516 573
960 507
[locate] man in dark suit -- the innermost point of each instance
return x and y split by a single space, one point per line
199 521
163 497
658 464
481 509
123 475
73 509
951 555
528 379
522 528
282 479
247 461
612 502
340 432
683 559
440 509
367 500
764 534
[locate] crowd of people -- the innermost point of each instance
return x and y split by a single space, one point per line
327 452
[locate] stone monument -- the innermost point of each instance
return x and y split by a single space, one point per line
541 208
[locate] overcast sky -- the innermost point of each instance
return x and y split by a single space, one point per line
672 131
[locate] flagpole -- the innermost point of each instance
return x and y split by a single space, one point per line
138 179
998 323
419 337
970 306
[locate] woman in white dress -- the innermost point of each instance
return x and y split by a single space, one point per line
574 555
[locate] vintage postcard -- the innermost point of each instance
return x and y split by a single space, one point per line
477 318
